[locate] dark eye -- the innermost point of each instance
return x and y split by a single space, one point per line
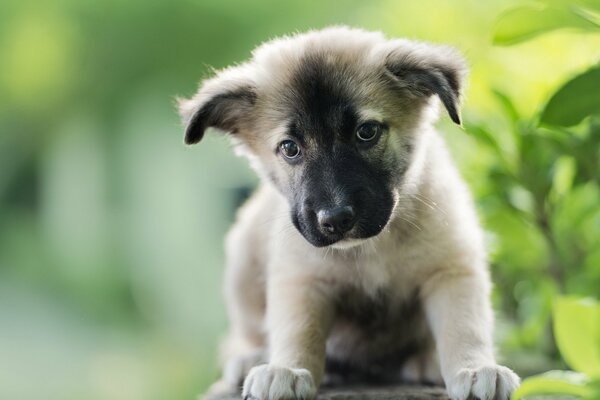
368 131
289 149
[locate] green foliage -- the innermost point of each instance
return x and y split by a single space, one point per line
553 382
545 212
528 21
552 181
577 330
574 101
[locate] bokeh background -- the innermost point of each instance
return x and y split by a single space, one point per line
111 229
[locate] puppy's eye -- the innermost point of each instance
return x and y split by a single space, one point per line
289 149
368 131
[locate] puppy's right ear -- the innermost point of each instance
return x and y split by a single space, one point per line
223 102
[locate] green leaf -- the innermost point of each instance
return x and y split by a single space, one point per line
484 137
594 387
525 22
577 332
507 104
593 5
577 99
565 170
554 382
577 206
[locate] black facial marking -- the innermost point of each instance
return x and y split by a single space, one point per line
335 170
223 111
324 108
343 179
294 132
348 123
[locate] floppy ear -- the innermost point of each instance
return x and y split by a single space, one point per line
222 102
426 69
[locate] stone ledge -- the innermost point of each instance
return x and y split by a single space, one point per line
366 393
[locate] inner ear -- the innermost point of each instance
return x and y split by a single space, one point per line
427 77
225 111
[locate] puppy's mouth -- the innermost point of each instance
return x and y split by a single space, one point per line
354 237
346 244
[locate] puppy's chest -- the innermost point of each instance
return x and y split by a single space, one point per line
375 311
377 291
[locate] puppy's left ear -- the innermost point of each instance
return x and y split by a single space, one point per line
223 102
425 69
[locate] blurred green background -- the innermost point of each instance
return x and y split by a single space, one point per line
111 230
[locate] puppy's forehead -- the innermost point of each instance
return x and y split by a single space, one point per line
323 101
319 84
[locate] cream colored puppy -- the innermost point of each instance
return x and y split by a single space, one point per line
360 256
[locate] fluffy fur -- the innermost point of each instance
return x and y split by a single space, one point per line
404 294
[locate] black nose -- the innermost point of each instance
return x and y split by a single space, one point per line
336 220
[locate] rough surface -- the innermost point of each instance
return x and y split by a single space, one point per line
366 393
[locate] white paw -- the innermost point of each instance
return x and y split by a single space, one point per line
236 368
267 382
486 383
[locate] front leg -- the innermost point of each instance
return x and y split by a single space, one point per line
298 319
460 315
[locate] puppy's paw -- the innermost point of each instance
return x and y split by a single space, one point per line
236 368
267 382
486 383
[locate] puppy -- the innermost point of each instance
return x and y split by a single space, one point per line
360 255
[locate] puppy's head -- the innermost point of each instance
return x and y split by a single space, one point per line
332 118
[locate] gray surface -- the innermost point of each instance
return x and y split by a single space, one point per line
367 393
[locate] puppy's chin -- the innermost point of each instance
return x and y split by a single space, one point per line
318 240
341 242
346 244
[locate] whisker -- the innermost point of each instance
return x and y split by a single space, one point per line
410 222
